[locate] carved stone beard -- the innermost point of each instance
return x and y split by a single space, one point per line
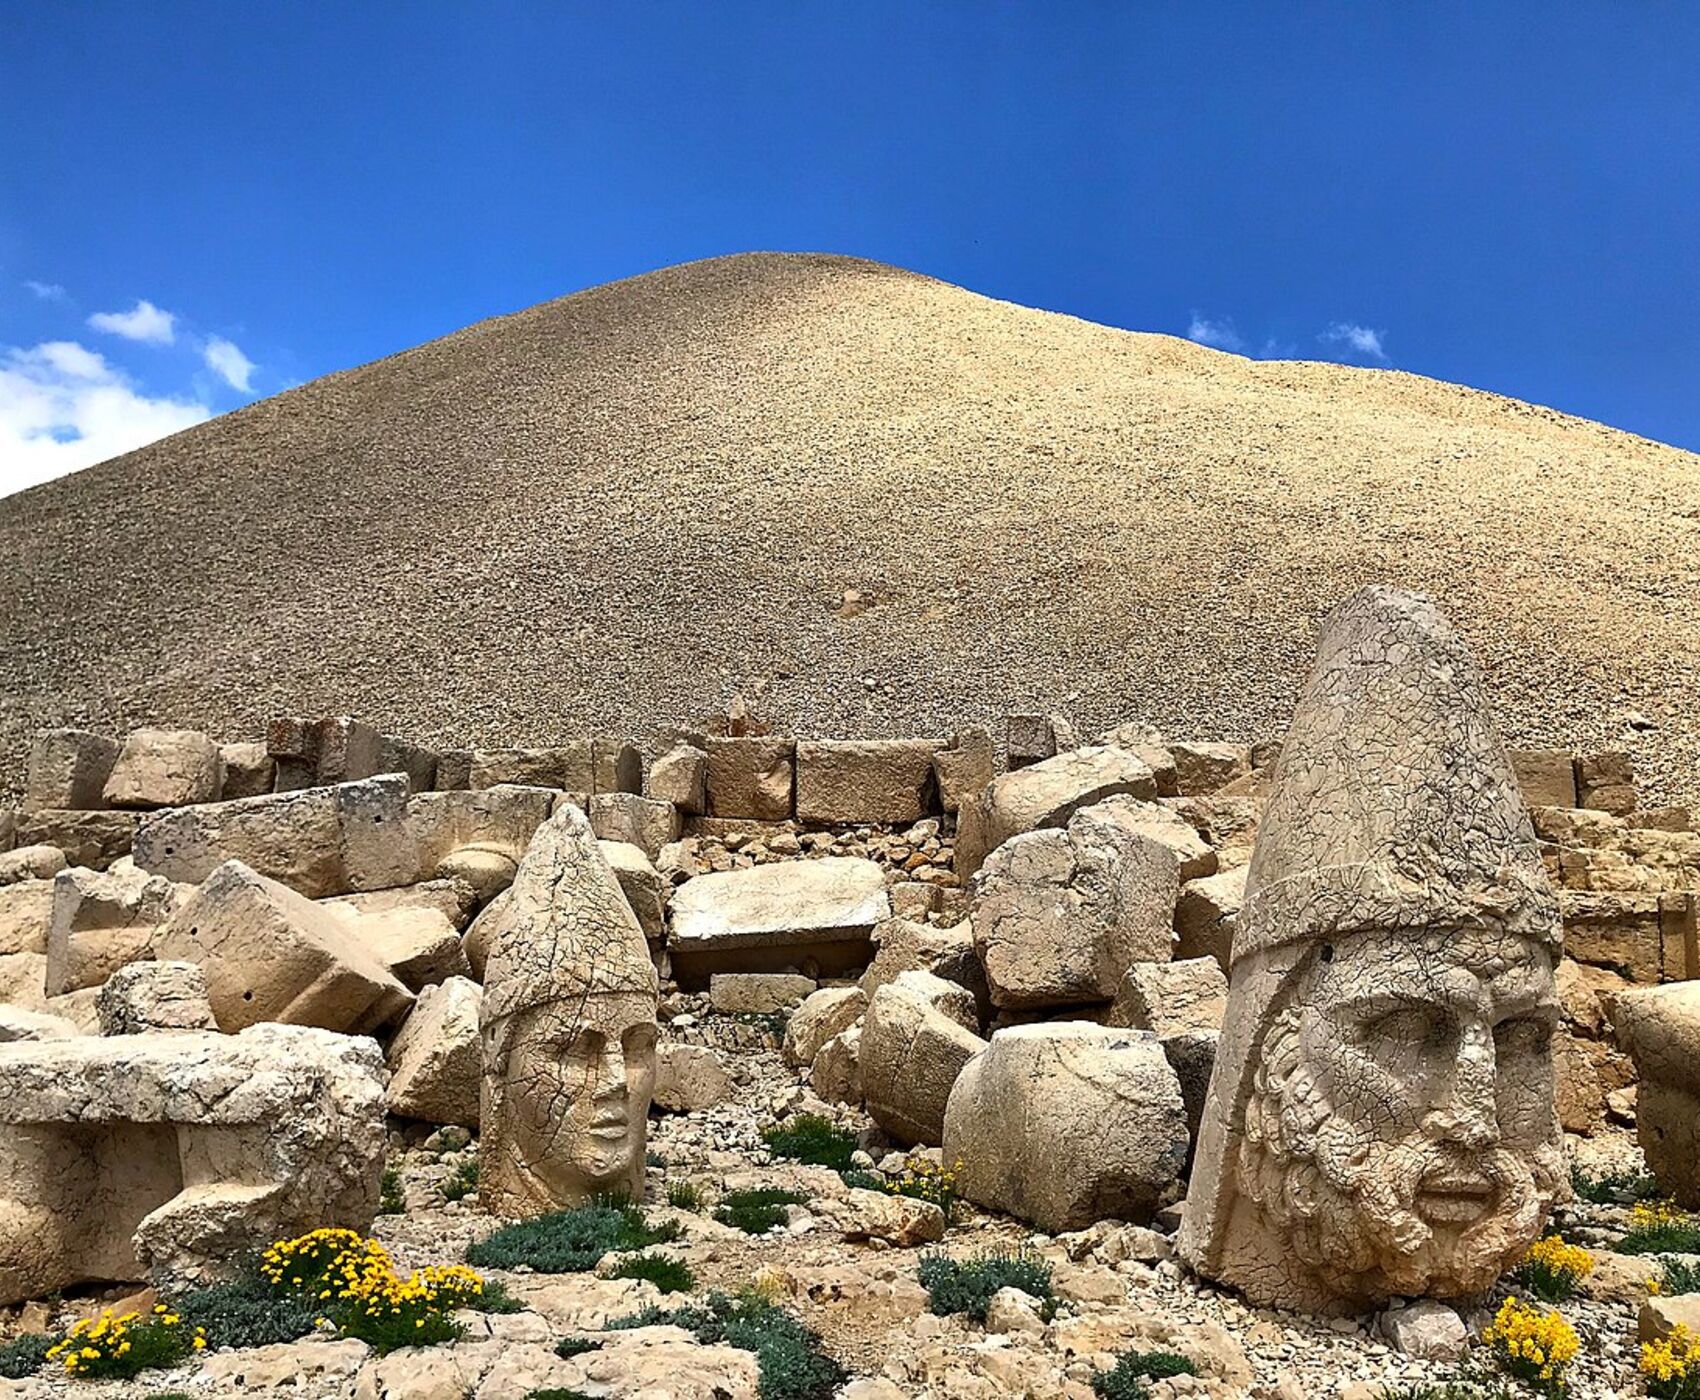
1347 1202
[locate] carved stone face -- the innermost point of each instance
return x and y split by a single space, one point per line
1402 1129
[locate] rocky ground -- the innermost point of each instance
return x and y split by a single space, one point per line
847 1264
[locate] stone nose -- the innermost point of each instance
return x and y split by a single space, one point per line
611 1069
1469 1115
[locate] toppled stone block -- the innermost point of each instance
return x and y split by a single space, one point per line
566 767
1140 739
689 1078
642 885
822 1015
419 946
846 781
435 1060
245 770
19 1023
751 778
26 916
836 1074
964 768
502 819
163 768
103 921
318 841
1623 932
1194 859
816 916
1048 793
1028 739
1059 916
68 769
454 770
902 1221
31 863
1205 913
270 954
638 821
757 993
1201 769
419 763
1546 777
680 776
911 1051
1606 782
92 839
1066 1123
1175 997
454 899
166 1156
162 997
907 946
1660 1028
616 765
323 752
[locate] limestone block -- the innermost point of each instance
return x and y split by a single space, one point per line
1546 777
155 996
1145 742
26 916
92 839
1194 860
1174 997
1660 1316
689 1078
1660 1028
454 899
616 764
1205 913
1203 768
1059 916
751 778
480 936
1578 1092
1192 1056
19 1023
1620 931
435 1059
639 821
418 946
964 768
68 769
454 770
322 752
757 993
848 781
902 1221
501 819
1425 1329
836 1074
318 841
816 916
163 768
245 770
568 767
680 776
911 1053
23 976
1066 1123
642 885
270 954
167 1156
821 1016
1049 792
907 946
1606 782
1027 739
31 863
8 828
396 755
103 921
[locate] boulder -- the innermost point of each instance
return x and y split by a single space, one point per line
1173 998
1059 916
68 769
164 768
435 1060
566 767
1145 742
485 870
402 756
454 770
1028 739
318 841
902 1221
245 770
836 1074
964 768
31 863
91 839
419 946
689 1078
19 1023
638 821
1047 793
1204 768
26 916
680 776
167 1156
1066 1123
500 820
616 765
1205 913
821 1016
103 921
911 1052
1425 1329
270 954
757 993
1606 782
848 781
453 898
1660 1028
155 996
817 916
1194 859
1546 777
750 777
907 946
1660 1316
642 885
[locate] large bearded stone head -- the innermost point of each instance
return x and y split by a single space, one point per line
1381 1116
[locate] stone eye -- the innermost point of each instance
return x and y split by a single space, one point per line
1409 1026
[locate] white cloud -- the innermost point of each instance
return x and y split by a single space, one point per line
1221 334
63 407
229 363
1359 340
144 321
47 291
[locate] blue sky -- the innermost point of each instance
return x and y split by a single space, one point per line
243 197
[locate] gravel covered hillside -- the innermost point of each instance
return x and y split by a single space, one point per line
618 509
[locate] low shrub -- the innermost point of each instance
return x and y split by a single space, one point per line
1553 1270
1676 1276
666 1273
555 1392
390 1200
569 1347
121 1346
926 1181
24 1356
1658 1227
1126 1380
792 1365
967 1285
686 1195
758 1210
248 1312
463 1182
811 1139
1670 1367
1613 1188
1532 1345
858 1180
571 1241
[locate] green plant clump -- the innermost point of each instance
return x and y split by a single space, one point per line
1126 1379
811 1139
858 1180
569 1347
571 1241
555 1392
390 1201
1669 1235
756 1211
668 1274
248 1312
464 1181
24 1356
791 1363
686 1195
967 1285
1614 1188
1463 1388
1679 1276
495 1299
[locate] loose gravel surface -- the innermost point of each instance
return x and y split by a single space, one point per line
620 509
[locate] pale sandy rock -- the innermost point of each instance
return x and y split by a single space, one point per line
564 767
582 1302
689 1078
644 1363
910 1054
639 821
1173 998
501 818
822 1015
848 781
836 1074
1578 1093
1194 858
68 769
92 839
245 770
642 885
428 1373
286 1366
1012 1312
1606 782
1066 1123
616 765
815 916
1545 777
1139 738
680 776
23 978
31 863
750 778
270 954
485 870
18 1023
757 993
418 946
1621 1278
155 996
165 1156
1623 932
1579 996
1660 1316
1425 1329
163 768
964 768
481 934
1049 792
907 946
454 899
875 1215
436 1060
104 920
1660 1028
1201 769
26 916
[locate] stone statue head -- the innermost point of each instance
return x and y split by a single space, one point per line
1381 1117
568 1025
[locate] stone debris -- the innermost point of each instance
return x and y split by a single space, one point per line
102 921
689 1078
68 769
850 781
144 997
918 1033
758 993
31 863
822 1015
436 1060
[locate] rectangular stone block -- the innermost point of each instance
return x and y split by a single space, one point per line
965 767
94 839
1547 776
1679 933
1618 931
617 765
164 768
853 781
639 821
454 770
502 818
1606 781
680 776
568 767
102 922
418 762
68 769
751 777
245 770
1028 739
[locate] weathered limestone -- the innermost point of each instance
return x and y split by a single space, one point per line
397 755
751 778
1660 1028
165 1156
245 770
19 1023
912 1048
26 916
1194 859
568 1031
1028 739
1546 777
680 776
836 1074
1173 998
436 1059
907 946
1066 1123
91 839
103 921
31 863
318 841
965 767
638 821
689 1078
68 769
616 765
163 768
1060 915
1640 936
155 996
270 954
1205 913
820 1017
322 752
1606 782
8 828
454 899
1141 739
1204 768
816 916
419 946
642 885
567 767
866 780
1381 1117
757 993
479 835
